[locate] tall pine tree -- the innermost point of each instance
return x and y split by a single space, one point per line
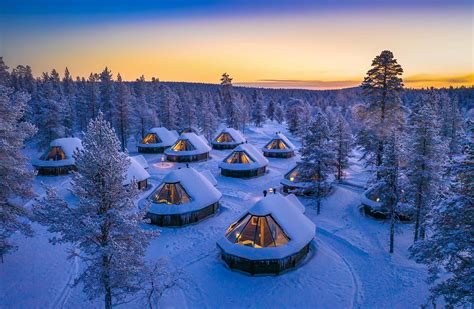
104 225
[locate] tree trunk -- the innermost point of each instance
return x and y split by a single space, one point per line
417 222
108 298
392 229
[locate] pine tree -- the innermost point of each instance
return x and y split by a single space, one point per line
258 114
188 117
106 94
92 94
208 121
389 182
4 74
317 155
271 109
382 113
69 90
104 226
448 249
168 106
342 138
15 177
232 102
296 108
279 113
425 163
142 108
22 79
49 112
122 110
450 121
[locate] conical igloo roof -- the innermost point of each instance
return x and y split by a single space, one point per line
68 145
257 159
289 146
287 213
236 135
197 186
165 136
198 143
293 178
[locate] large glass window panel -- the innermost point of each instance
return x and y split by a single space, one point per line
55 153
263 236
171 193
277 144
278 235
224 138
239 157
235 230
183 145
151 138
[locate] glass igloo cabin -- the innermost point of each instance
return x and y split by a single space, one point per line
279 147
189 147
58 158
184 196
244 161
228 138
372 205
297 180
157 140
273 236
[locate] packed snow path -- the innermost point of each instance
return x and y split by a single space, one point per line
348 265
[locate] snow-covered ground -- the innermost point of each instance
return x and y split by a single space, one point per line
348 265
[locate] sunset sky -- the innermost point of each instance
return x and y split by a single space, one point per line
291 44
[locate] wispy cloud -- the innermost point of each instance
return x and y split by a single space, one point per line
416 81
302 84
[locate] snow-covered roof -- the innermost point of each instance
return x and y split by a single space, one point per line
141 159
167 137
287 212
287 181
258 159
135 171
210 177
197 141
280 136
237 136
201 191
68 146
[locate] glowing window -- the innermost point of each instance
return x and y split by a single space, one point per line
54 153
239 157
257 232
224 138
170 193
277 144
151 138
299 174
183 145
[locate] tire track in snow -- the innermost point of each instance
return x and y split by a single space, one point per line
358 293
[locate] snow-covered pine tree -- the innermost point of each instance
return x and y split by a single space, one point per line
425 163
448 250
106 94
208 121
92 95
389 182
69 92
168 108
279 113
258 113
295 110
22 79
450 123
104 225
81 107
15 177
122 110
382 113
49 112
342 138
188 117
271 109
317 154
232 102
142 109
4 74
